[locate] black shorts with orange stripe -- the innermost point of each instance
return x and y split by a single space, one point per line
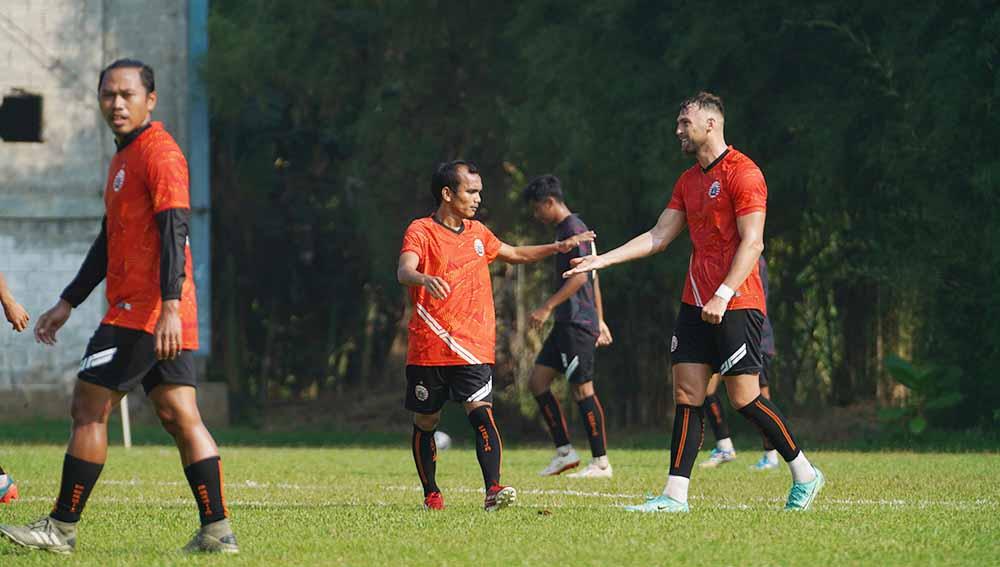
429 387
731 348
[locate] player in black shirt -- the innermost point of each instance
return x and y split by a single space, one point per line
569 349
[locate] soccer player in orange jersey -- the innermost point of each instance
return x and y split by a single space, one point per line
445 262
18 319
151 326
722 200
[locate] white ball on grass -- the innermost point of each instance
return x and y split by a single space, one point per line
442 440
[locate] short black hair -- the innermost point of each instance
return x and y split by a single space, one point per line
145 73
446 175
704 99
543 186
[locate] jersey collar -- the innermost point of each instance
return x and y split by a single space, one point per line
721 157
460 230
131 137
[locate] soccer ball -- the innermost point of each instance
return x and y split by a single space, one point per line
442 440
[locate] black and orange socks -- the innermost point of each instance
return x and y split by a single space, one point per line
78 480
716 419
765 415
593 423
425 457
205 478
555 420
488 444
689 430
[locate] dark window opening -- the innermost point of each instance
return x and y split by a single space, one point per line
21 117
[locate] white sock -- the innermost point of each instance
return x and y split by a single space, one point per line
725 444
771 456
601 461
677 488
802 470
564 450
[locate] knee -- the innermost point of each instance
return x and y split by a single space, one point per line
427 422
86 414
688 394
583 391
175 421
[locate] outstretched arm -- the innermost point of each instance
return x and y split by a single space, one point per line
751 229
529 254
656 239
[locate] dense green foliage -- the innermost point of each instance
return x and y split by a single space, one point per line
362 506
873 124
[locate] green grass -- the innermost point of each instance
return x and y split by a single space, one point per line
361 505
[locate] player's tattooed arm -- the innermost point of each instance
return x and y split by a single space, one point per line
529 254
16 315
656 239
408 275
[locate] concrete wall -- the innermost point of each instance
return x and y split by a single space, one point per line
50 192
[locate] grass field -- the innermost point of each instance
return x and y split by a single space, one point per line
361 505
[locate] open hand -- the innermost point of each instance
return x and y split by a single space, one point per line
51 321
583 265
572 242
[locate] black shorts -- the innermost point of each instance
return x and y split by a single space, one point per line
429 387
570 350
765 368
119 359
731 348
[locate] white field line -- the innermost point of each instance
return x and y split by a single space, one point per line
713 502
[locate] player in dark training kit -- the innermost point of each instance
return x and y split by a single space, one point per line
722 200
445 262
151 326
569 349
724 451
18 319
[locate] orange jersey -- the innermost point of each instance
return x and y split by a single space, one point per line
460 329
712 200
147 176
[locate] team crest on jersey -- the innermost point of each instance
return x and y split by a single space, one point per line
478 245
714 189
421 392
119 180
673 343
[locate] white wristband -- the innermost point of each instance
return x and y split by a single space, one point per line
725 292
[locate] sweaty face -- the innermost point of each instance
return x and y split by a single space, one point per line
466 199
692 129
125 103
